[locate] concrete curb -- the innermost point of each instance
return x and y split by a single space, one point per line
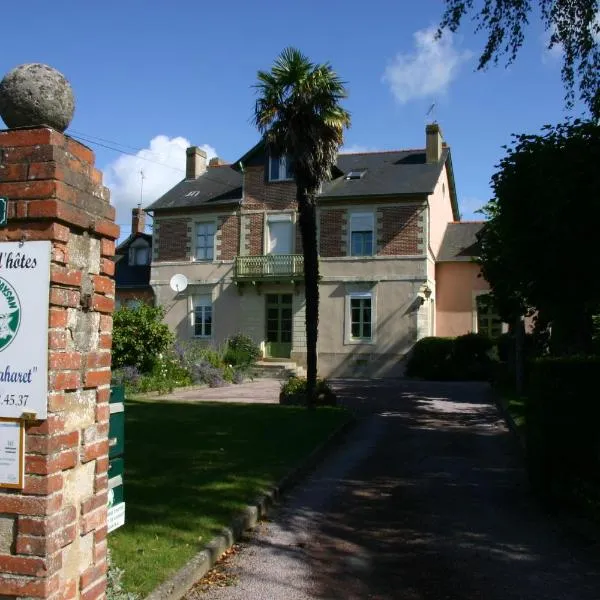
183 580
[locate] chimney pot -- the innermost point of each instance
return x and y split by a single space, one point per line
138 221
216 162
195 162
433 143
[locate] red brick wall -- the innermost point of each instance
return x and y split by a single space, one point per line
331 232
228 237
56 194
172 239
399 230
260 194
254 234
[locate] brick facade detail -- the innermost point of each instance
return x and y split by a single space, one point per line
400 230
172 239
53 532
228 237
254 234
260 194
332 226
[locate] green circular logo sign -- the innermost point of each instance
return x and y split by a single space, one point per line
10 313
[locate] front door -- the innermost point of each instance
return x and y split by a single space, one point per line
279 325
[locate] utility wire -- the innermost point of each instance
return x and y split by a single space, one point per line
88 140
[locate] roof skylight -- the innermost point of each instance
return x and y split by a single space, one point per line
356 174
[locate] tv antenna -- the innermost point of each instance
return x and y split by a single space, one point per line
431 111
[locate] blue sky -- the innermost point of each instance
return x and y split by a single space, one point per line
156 76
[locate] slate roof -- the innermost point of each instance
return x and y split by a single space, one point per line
219 185
131 276
460 241
387 173
397 172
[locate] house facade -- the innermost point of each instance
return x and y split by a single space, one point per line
232 231
132 264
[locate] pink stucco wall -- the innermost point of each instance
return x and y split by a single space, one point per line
456 283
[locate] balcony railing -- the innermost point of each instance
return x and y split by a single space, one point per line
269 266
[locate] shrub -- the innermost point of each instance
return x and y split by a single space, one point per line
139 337
293 391
467 357
430 358
471 357
238 376
241 351
205 372
561 428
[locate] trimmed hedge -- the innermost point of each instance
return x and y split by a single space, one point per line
562 430
467 357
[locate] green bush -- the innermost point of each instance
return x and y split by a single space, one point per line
241 351
467 357
139 337
293 391
472 357
430 358
561 428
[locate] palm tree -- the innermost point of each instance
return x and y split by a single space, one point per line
299 114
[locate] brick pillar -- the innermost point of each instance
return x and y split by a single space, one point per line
53 532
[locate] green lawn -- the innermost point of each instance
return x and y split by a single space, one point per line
189 468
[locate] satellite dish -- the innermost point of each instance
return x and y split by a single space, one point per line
178 282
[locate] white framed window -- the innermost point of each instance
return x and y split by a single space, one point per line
205 241
485 318
202 317
139 255
360 317
361 236
280 169
280 234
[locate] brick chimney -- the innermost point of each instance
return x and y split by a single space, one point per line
195 162
138 221
433 143
216 162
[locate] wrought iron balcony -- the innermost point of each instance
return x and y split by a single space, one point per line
269 267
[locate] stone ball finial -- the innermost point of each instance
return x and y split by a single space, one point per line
35 94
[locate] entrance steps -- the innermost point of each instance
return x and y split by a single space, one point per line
277 369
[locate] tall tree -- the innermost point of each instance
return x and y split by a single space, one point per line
572 25
299 114
538 250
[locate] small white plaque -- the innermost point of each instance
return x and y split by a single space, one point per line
24 291
116 516
12 454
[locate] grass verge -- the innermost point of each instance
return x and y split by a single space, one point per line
189 468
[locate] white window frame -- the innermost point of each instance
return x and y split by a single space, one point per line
214 244
348 339
356 215
202 300
283 168
284 217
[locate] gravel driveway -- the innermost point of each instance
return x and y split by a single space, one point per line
425 500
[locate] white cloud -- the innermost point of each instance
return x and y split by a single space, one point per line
429 70
163 164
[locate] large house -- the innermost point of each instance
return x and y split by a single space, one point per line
232 231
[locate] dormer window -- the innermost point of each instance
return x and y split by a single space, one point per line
139 255
280 169
356 174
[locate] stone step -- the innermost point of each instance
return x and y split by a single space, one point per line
271 369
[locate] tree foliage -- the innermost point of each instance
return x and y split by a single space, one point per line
572 25
538 249
299 114
139 336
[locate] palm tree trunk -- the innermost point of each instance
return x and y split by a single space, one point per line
308 229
